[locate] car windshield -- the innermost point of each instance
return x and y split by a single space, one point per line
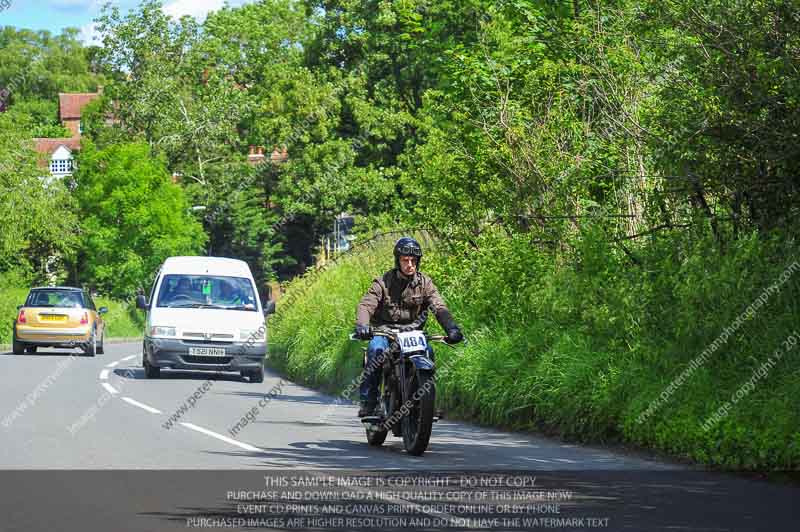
206 291
55 298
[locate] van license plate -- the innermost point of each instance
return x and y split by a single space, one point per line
207 351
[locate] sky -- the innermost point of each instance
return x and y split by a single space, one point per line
55 15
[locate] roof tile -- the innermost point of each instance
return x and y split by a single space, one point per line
71 104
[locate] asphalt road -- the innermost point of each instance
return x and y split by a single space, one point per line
187 435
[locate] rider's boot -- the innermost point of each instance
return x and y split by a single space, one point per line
367 408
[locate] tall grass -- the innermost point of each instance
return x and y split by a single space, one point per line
582 342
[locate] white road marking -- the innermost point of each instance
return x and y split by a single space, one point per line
113 364
566 460
110 388
207 432
129 358
104 374
141 405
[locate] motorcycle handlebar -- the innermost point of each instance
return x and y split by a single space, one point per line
392 334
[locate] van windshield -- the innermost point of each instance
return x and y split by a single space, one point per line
207 291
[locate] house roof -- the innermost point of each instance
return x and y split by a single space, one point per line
71 104
48 146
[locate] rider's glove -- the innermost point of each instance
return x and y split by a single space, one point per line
364 332
454 335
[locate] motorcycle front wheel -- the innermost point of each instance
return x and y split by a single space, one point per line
418 423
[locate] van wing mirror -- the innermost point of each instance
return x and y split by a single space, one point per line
269 307
141 302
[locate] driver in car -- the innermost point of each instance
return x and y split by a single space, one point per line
400 299
183 291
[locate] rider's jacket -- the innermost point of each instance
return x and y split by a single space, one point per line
394 299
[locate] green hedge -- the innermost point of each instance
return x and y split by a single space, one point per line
580 343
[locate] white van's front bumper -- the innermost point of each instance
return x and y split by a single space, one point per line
175 354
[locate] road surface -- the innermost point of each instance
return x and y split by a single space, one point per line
90 443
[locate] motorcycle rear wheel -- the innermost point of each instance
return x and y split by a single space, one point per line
376 434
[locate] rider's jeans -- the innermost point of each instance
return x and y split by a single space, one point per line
372 370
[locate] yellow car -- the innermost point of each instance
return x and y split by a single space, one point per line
59 317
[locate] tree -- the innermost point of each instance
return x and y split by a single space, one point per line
37 64
38 225
132 217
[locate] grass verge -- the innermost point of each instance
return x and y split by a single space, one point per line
590 345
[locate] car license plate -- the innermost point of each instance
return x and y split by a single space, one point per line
207 351
52 317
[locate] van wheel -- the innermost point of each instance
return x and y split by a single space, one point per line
257 375
150 371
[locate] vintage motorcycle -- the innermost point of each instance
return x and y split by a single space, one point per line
407 393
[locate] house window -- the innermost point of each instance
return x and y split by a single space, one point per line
80 127
61 166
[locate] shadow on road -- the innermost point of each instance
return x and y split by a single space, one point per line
614 500
49 353
170 374
304 399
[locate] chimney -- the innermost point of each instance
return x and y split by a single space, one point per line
256 155
279 155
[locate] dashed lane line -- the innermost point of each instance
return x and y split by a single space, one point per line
104 376
245 446
141 405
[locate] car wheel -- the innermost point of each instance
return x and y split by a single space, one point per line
91 346
100 347
18 347
30 349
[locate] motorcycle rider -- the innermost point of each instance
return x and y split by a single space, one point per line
400 299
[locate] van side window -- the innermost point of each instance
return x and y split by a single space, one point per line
153 288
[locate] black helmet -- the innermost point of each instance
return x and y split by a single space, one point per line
409 247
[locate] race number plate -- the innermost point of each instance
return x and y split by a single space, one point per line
411 341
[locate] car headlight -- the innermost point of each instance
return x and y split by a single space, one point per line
162 331
254 335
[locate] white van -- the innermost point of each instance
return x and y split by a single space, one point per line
204 313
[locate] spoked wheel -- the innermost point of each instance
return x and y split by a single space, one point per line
376 433
397 402
418 422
